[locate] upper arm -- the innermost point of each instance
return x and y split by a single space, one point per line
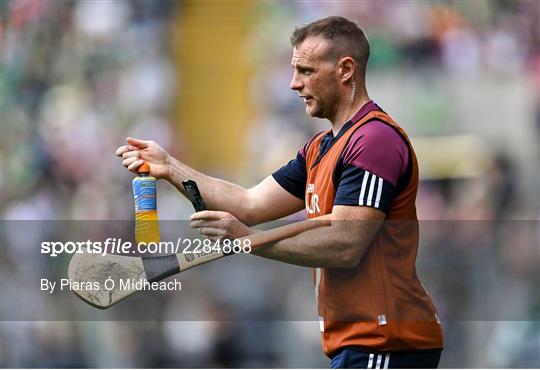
356 213
373 162
270 201
356 227
363 222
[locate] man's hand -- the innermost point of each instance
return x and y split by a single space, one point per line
139 151
217 225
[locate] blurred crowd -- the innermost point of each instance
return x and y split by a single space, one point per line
78 77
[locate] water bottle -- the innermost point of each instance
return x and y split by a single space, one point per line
146 216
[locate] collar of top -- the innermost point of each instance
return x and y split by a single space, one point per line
366 108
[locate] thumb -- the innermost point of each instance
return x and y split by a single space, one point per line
140 144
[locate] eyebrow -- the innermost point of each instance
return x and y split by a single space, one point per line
300 66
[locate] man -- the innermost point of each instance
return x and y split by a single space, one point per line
374 312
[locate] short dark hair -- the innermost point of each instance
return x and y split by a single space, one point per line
346 38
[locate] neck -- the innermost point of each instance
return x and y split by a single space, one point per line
347 110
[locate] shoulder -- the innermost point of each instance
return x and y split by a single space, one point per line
379 148
374 133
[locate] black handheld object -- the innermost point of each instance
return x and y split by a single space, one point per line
194 195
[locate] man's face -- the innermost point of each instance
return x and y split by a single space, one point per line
315 77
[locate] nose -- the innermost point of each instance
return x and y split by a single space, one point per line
296 84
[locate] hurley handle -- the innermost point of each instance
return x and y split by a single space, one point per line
194 195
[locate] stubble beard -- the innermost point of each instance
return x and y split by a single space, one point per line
320 107
314 110
322 111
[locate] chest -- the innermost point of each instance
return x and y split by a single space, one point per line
322 160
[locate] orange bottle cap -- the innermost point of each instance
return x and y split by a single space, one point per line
144 168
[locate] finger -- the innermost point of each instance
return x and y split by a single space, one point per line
133 153
212 232
140 144
122 149
133 167
198 224
208 215
128 161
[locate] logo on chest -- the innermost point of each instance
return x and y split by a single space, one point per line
312 200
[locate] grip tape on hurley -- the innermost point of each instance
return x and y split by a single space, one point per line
194 195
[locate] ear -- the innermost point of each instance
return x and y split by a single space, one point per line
346 69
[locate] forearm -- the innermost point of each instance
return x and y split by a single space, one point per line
217 194
340 245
